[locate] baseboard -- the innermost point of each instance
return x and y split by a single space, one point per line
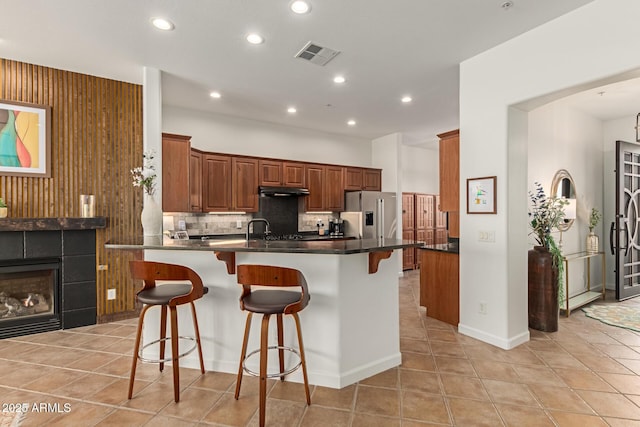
506 344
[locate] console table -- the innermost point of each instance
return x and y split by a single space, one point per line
587 295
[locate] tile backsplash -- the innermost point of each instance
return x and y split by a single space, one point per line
202 223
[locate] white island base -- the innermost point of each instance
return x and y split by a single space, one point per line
350 327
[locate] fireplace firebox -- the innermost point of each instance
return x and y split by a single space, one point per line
29 297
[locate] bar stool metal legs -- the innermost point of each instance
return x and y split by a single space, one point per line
264 349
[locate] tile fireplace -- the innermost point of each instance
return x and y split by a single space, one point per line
47 274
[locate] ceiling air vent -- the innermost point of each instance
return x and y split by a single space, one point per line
316 54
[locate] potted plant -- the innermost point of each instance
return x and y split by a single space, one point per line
545 261
3 208
592 238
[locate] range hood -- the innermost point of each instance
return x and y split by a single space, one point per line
283 191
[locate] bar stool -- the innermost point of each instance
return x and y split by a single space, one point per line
169 295
268 302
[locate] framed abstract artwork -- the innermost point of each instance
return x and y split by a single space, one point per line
481 195
25 139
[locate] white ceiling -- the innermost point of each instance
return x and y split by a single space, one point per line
389 48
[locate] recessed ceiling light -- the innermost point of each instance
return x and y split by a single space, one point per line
291 110
406 99
351 122
215 94
254 38
339 79
162 24
300 7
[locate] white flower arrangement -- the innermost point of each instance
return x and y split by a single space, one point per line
145 176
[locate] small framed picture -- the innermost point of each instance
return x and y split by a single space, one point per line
481 195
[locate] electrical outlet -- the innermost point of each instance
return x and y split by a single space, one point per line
487 236
111 294
182 225
239 223
103 267
483 308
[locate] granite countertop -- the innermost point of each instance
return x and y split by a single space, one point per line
442 247
340 247
52 224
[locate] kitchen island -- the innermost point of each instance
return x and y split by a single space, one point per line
350 328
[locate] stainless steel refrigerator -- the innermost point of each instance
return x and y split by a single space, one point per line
370 214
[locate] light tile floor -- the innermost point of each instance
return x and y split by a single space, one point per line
587 374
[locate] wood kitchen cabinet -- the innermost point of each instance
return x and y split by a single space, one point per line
270 172
334 188
439 285
450 178
326 188
372 180
176 152
244 184
282 173
216 174
408 230
195 181
362 179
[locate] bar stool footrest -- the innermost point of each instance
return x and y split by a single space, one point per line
169 358
274 374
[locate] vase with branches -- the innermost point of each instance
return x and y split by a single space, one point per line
592 239
546 291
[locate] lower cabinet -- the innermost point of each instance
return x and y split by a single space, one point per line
440 285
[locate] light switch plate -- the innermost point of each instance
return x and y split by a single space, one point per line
487 236
111 294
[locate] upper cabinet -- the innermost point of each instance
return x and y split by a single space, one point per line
244 184
334 188
281 173
450 171
195 181
450 179
362 179
314 175
216 178
176 158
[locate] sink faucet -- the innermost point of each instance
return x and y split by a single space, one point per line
266 223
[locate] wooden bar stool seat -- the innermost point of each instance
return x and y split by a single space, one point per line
166 296
268 302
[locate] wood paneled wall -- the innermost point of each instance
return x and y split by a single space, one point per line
96 139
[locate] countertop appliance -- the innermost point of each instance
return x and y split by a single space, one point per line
370 214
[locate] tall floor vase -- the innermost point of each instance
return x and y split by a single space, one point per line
543 290
151 217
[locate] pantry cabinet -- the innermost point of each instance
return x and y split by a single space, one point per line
421 221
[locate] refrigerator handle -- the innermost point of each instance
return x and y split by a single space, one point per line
380 225
613 225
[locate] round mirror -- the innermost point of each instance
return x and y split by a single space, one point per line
563 187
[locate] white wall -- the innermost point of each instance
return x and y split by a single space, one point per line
234 135
561 137
579 48
420 170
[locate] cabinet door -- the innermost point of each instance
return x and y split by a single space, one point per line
175 172
408 254
245 184
439 285
441 217
353 179
450 171
372 180
424 211
270 172
334 188
454 224
293 175
441 235
408 212
216 177
315 183
195 181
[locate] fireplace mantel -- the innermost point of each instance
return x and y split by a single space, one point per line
52 224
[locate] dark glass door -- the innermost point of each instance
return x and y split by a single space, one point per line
625 231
